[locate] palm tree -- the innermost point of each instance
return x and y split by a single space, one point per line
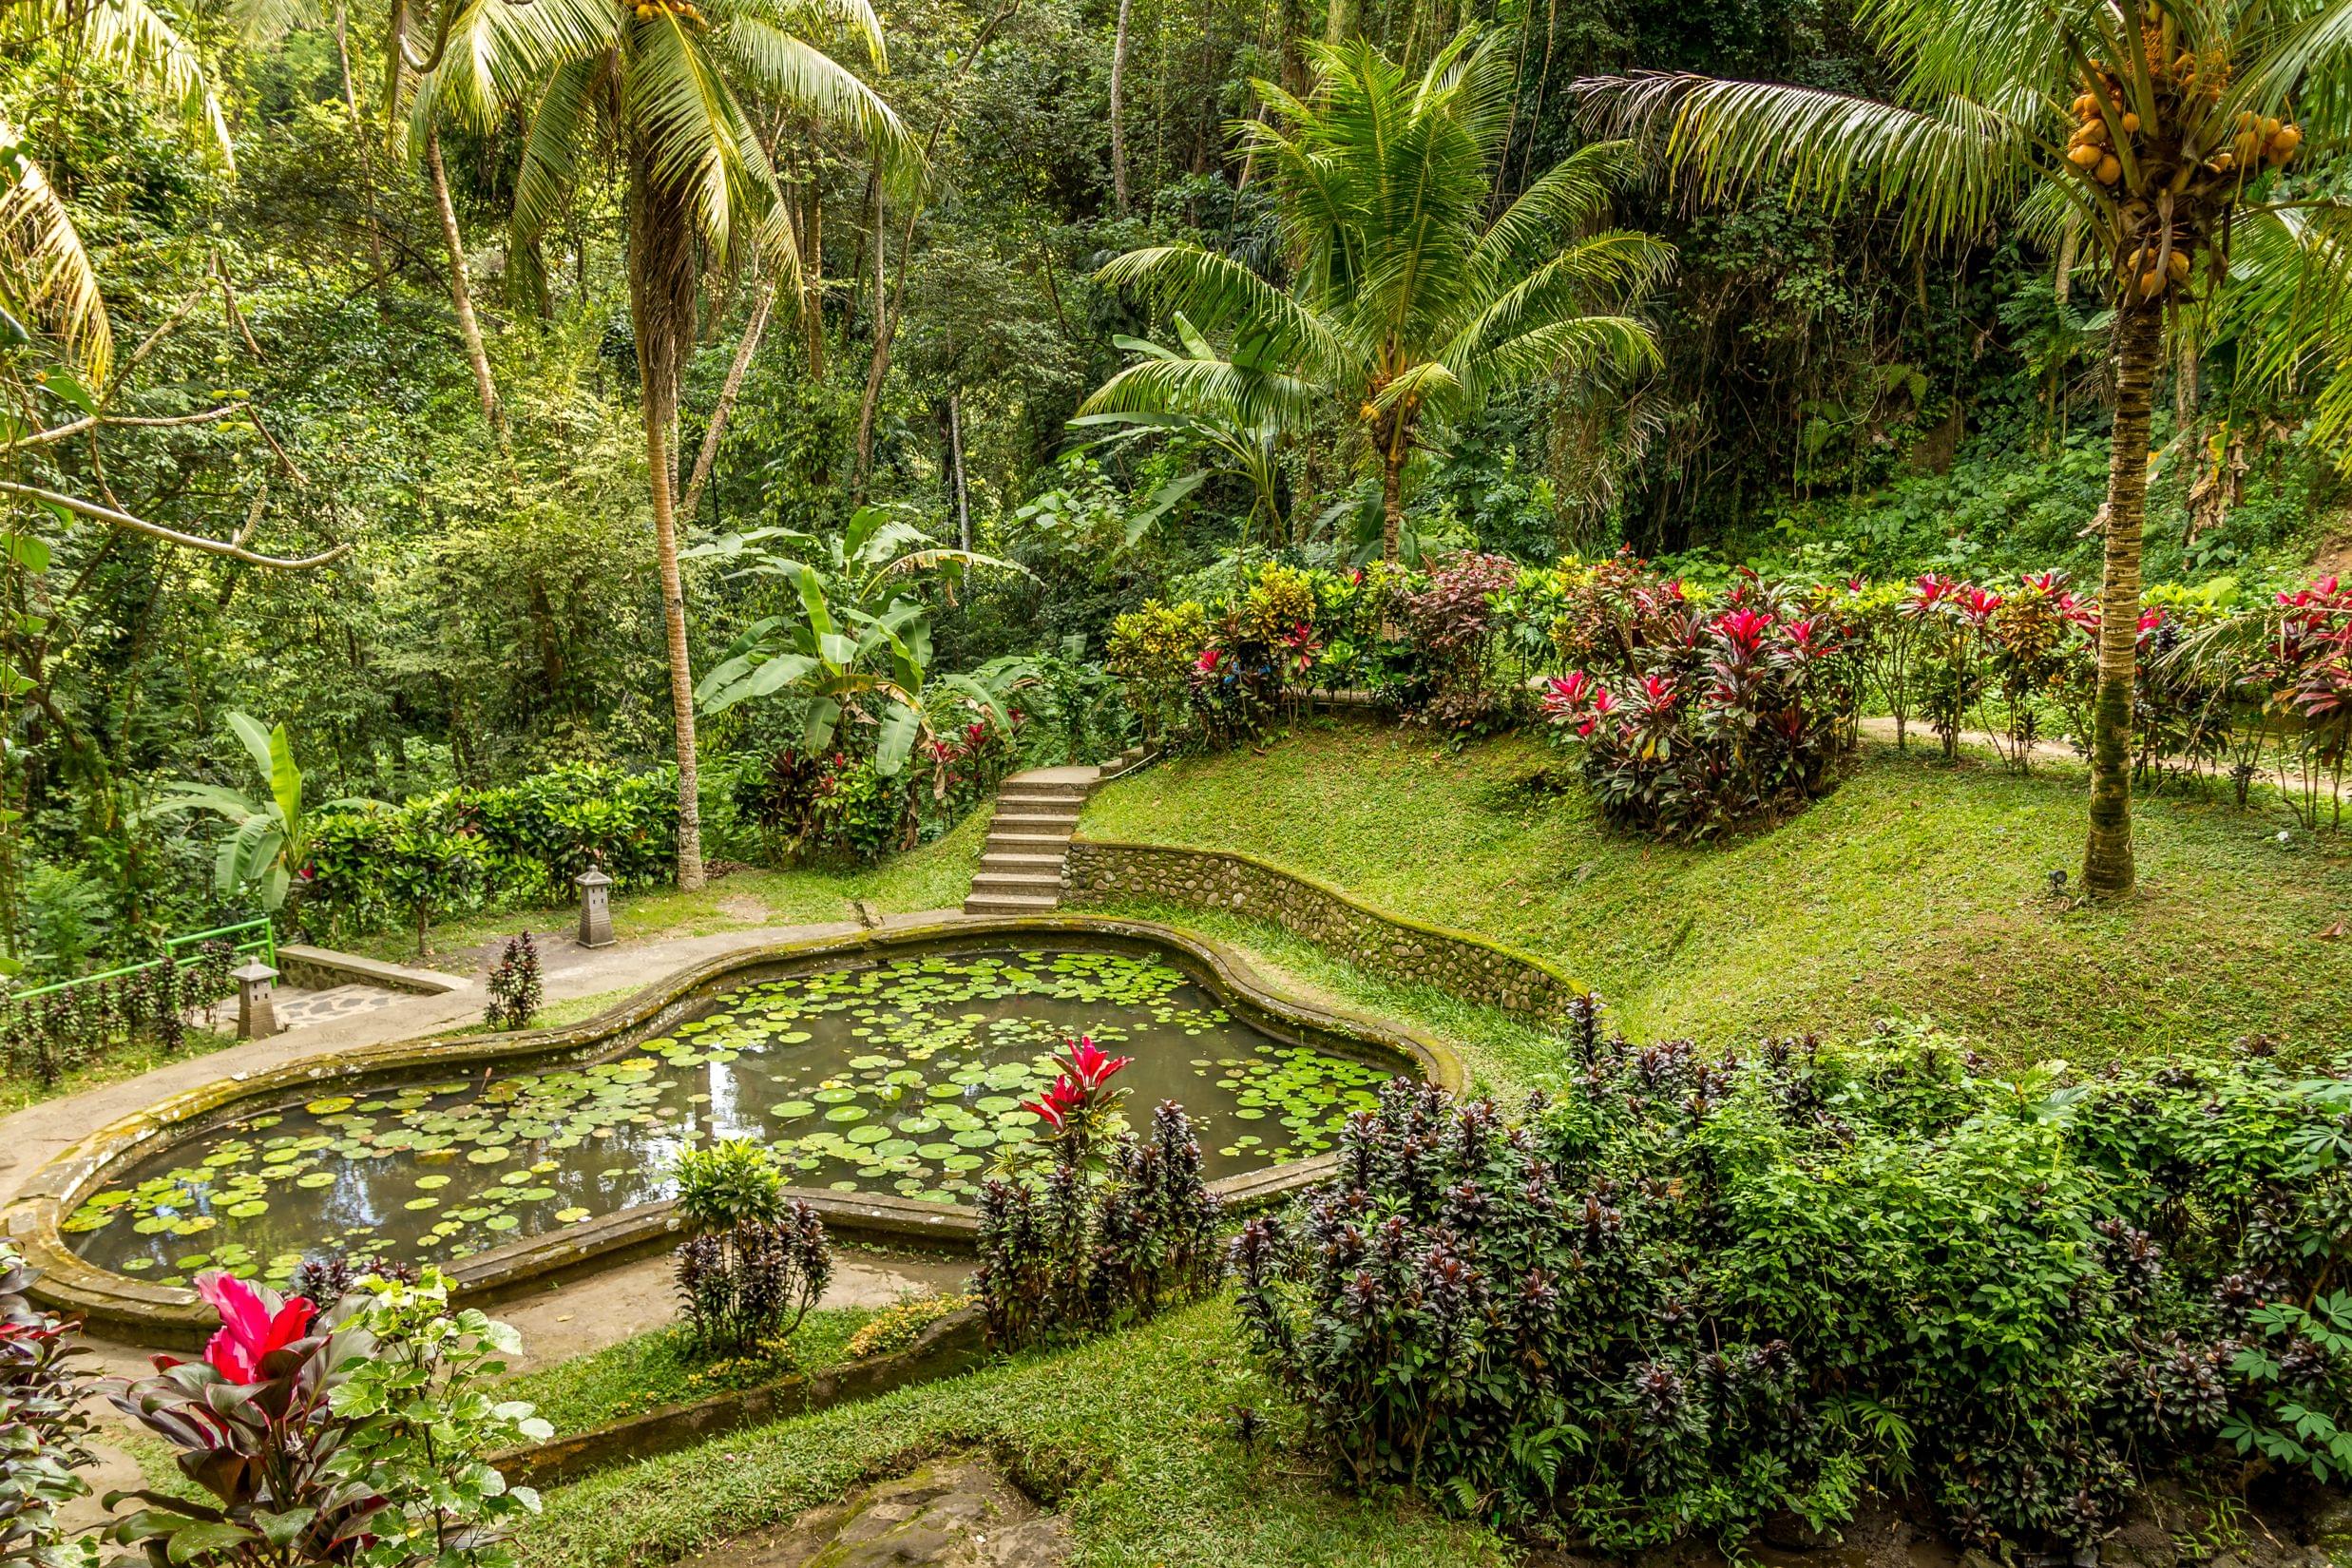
657 80
1408 304
2155 132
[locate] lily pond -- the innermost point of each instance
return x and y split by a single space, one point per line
905 1077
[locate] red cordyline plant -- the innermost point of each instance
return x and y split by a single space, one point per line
1733 715
1078 1109
349 1436
250 1420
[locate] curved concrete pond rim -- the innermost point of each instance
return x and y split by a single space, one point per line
165 1314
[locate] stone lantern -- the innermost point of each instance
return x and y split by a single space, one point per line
596 909
257 1016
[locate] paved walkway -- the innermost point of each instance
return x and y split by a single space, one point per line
32 1136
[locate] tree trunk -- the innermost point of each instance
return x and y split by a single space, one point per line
1119 133
1339 22
2107 870
367 164
662 295
955 453
461 293
1392 501
812 271
763 305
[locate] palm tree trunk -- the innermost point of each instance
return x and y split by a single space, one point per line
1118 134
661 297
2107 870
1392 501
461 290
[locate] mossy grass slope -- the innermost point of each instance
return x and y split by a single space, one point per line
1131 1435
1918 890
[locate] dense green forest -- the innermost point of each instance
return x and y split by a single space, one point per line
383 302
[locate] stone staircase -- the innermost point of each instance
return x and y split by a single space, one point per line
1036 814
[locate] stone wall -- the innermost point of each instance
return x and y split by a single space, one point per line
1098 872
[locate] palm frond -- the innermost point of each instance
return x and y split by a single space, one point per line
804 76
1949 171
1221 293
499 53
140 39
46 275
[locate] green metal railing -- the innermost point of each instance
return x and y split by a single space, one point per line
255 938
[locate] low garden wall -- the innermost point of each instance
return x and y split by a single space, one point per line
955 1344
1099 871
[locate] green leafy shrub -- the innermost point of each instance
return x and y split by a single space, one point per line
354 1435
1698 1290
898 1325
467 849
723 1185
44 1431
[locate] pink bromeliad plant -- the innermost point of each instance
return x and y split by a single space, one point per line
1078 1107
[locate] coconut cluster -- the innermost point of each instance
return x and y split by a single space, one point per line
686 11
2190 163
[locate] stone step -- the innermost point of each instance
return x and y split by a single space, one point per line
1030 840
1009 903
1022 800
1046 884
1035 822
1021 860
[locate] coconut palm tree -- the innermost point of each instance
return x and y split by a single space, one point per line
2154 130
665 85
1407 303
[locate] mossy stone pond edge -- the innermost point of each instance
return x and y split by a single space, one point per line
164 1315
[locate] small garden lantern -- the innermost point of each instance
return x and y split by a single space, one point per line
257 1015
595 911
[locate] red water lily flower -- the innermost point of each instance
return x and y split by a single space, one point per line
251 1329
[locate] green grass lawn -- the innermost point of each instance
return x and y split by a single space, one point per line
663 1367
112 1065
1131 1435
935 876
1917 889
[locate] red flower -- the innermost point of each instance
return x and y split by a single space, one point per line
1209 661
1092 1065
1057 1103
251 1329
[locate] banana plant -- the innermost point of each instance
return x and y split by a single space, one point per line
271 837
860 644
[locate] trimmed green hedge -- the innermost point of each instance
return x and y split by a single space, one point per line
462 850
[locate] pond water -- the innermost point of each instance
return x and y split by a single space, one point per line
904 1076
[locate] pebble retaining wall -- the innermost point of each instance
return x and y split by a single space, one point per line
1098 871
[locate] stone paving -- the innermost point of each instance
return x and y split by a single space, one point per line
298 1009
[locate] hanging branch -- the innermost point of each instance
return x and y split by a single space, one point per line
233 548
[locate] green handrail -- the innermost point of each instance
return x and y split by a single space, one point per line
249 938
